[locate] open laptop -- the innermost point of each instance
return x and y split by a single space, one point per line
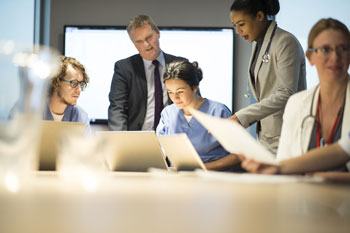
135 151
181 152
51 131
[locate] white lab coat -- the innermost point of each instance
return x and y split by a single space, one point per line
298 123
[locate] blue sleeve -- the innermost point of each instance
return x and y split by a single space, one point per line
84 118
225 112
163 123
220 110
81 116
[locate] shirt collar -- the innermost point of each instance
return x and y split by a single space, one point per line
160 58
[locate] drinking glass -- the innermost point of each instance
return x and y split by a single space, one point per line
24 77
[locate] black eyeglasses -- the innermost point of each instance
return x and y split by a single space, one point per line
75 83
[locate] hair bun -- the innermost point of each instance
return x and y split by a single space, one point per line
198 71
272 7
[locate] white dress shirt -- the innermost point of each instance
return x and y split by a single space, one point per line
149 70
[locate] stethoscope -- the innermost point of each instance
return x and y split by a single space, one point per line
306 118
312 117
266 57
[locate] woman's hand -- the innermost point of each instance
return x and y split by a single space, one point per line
223 163
255 167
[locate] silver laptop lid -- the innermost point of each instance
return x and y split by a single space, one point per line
181 152
134 151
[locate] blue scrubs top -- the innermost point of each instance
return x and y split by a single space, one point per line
173 121
71 114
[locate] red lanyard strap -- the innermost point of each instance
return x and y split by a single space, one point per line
318 127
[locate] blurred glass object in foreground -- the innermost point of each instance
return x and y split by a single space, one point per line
24 77
81 160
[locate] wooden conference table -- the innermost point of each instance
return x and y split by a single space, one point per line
168 202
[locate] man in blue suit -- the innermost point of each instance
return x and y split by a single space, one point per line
132 94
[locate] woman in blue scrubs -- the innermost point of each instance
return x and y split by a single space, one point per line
182 83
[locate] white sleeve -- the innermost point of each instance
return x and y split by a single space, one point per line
344 142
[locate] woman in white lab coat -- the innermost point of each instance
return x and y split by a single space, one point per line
320 116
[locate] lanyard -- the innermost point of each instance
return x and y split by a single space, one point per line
318 127
266 56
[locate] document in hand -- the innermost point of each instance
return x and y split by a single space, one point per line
234 138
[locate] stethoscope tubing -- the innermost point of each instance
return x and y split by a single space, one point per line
266 57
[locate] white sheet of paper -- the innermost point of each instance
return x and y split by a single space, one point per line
234 138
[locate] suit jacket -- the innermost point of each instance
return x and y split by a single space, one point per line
275 82
299 119
128 94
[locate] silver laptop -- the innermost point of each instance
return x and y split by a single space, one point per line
51 131
134 151
181 152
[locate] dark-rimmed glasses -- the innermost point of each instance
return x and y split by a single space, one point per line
75 83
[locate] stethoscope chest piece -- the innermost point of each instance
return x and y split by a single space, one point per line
266 57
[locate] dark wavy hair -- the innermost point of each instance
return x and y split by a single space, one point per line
184 70
252 7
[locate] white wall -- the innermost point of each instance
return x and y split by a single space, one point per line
298 17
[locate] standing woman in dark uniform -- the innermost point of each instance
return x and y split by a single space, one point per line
276 68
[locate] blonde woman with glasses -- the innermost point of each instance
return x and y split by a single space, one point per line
320 116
